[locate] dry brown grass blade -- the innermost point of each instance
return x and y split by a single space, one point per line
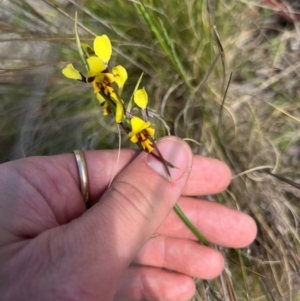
65 14
227 286
222 54
199 88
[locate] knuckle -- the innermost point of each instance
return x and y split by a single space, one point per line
133 197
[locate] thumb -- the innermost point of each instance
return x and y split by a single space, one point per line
133 207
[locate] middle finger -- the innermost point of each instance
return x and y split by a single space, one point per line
219 224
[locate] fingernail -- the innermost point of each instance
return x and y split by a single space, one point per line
175 152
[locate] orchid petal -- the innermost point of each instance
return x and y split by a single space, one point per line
120 74
119 111
141 98
134 139
100 98
119 104
102 48
108 78
70 72
147 145
96 66
150 131
95 87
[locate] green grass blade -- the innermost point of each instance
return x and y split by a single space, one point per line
175 59
79 47
154 28
223 101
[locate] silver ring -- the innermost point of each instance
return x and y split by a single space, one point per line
82 171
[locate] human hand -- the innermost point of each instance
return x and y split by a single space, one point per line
52 248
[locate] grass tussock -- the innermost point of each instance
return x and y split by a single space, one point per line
187 64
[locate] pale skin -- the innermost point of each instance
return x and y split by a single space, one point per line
53 248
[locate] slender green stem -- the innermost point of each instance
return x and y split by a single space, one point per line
190 225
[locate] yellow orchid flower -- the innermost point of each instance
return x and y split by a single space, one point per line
142 132
99 76
140 98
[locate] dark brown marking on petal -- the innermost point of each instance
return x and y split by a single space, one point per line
83 79
91 79
105 70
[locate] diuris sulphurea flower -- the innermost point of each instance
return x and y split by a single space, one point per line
100 77
142 132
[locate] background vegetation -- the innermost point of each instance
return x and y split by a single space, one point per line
255 129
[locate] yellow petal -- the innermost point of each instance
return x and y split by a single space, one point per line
100 98
70 72
119 112
134 139
150 131
106 110
109 91
118 101
137 125
104 104
102 48
96 66
99 78
95 87
141 98
108 78
147 145
121 76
